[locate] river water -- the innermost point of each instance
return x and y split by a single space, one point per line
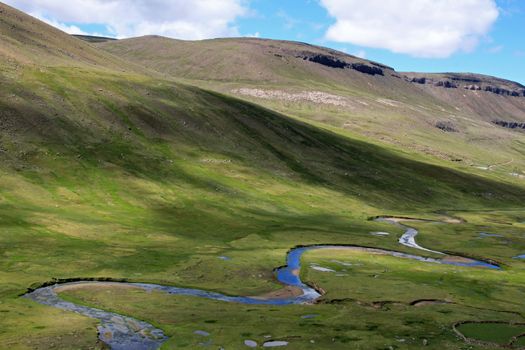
123 333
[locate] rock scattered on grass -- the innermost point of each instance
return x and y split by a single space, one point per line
275 343
203 333
250 343
487 234
321 269
379 233
309 316
341 263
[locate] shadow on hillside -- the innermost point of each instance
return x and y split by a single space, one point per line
148 128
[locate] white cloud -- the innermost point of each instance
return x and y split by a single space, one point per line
196 19
423 28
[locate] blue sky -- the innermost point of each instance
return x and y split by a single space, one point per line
500 52
482 36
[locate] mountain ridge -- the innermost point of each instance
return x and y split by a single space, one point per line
338 54
27 41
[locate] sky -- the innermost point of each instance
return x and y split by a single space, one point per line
480 36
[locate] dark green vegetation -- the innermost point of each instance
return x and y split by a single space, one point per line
499 333
108 170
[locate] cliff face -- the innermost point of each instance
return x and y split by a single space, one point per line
474 82
509 124
370 68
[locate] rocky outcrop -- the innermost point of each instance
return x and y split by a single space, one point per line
473 87
446 126
497 90
493 85
364 68
335 62
328 61
446 84
509 124
380 65
422 80
465 79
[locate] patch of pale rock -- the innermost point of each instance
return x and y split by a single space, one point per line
309 96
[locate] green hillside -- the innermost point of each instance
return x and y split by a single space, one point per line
108 170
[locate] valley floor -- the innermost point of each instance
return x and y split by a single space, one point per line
370 301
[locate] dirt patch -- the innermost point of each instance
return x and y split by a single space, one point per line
94 285
428 302
286 292
452 220
398 219
457 259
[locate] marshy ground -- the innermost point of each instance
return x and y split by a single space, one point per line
357 284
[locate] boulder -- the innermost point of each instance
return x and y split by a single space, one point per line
446 126
497 90
446 84
422 80
473 87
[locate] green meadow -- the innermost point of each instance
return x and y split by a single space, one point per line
111 171
153 181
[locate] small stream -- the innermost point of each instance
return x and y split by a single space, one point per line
408 239
123 333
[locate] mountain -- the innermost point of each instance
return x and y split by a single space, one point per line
114 170
27 41
456 117
264 61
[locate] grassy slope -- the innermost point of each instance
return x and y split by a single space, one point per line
105 173
385 109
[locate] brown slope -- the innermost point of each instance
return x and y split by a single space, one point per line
265 62
230 58
487 97
255 61
278 61
230 64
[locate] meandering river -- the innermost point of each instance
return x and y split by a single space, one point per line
126 333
